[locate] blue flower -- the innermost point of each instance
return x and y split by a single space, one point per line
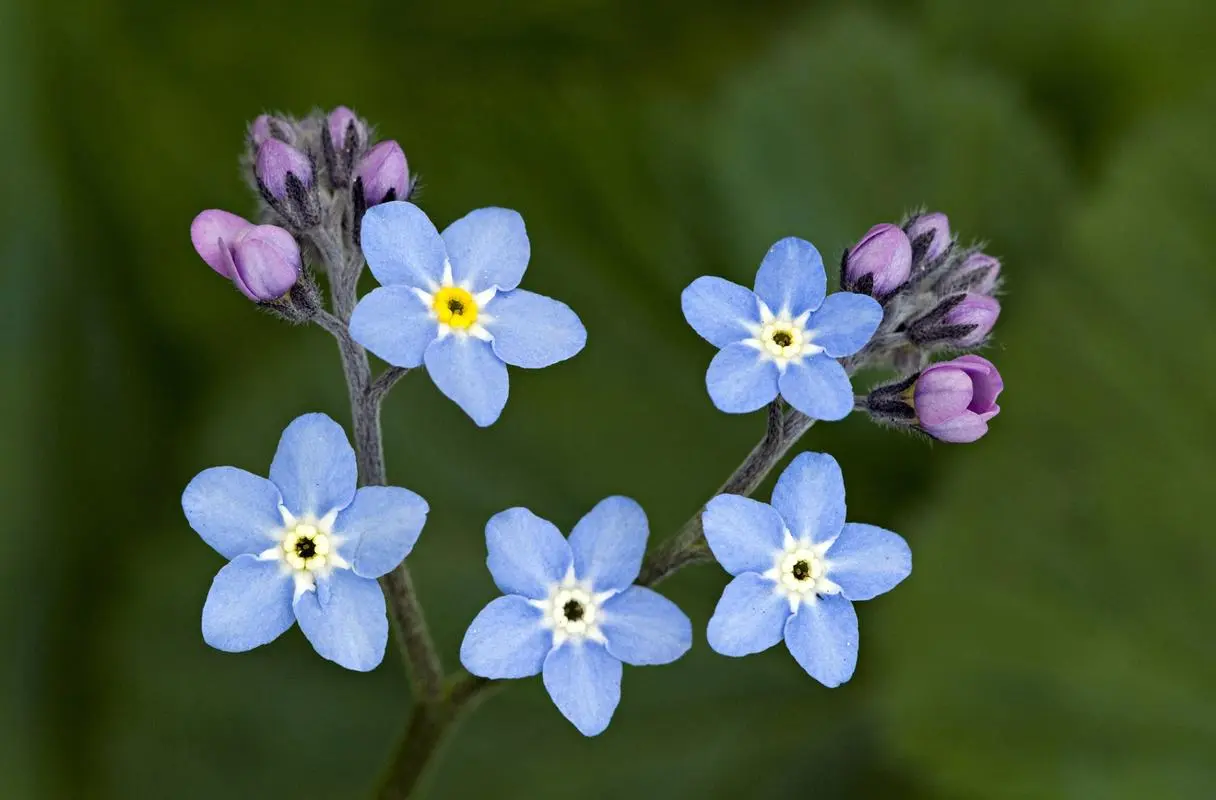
798 568
570 609
782 338
450 302
303 547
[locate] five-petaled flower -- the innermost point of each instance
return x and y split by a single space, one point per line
798 568
570 609
304 546
782 338
451 302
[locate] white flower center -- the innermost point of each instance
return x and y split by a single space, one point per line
573 610
783 338
800 571
456 309
306 547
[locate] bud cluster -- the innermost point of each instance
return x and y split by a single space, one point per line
937 296
316 176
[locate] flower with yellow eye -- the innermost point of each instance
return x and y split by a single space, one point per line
451 302
303 546
798 568
784 338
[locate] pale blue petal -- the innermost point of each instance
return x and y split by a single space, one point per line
402 246
585 684
533 331
380 528
750 616
608 544
822 637
809 496
395 324
844 323
643 628
867 561
314 466
739 380
233 510
527 554
818 387
745 535
345 620
506 640
466 370
249 605
791 277
488 247
720 311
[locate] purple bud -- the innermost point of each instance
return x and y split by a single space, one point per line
276 161
267 263
955 399
884 254
340 122
213 232
384 173
935 229
260 131
979 272
976 310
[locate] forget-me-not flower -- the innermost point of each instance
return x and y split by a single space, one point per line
798 567
570 609
304 546
450 302
782 338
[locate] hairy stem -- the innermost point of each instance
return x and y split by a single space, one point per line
426 733
418 650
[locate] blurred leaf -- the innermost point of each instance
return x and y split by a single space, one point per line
1053 641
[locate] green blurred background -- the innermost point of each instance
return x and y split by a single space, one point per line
1056 638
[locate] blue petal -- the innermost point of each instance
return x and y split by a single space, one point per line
233 510
402 246
394 324
739 380
314 466
533 331
585 684
818 387
249 605
844 323
506 640
466 370
527 554
791 277
822 637
381 527
608 544
867 561
750 616
488 247
720 311
745 535
809 496
643 627
345 620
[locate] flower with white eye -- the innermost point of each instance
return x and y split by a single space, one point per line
303 546
570 610
798 567
451 302
784 337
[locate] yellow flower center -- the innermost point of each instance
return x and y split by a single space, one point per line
455 306
305 547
